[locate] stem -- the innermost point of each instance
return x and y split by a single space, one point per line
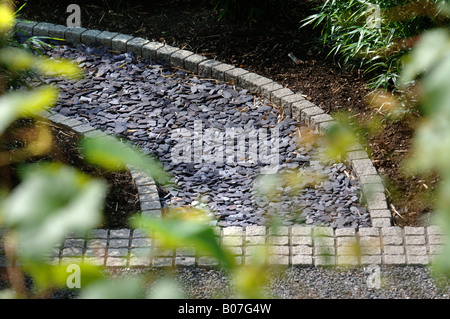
15 274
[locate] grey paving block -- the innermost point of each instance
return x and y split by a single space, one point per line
149 50
151 205
321 231
395 259
302 260
418 260
306 114
149 197
287 101
301 240
42 28
369 231
191 62
119 233
376 201
275 96
302 250
279 231
116 262
363 167
89 37
381 222
136 45
381 213
361 154
119 42
255 240
345 232
315 120
253 82
185 261
279 240
298 230
98 233
177 58
205 67
371 260
151 213
105 38
84 128
255 231
324 127
324 260
218 71
117 252
233 74
370 179
57 31
73 35
233 231
415 240
267 89
163 54
232 241
26 27
414 230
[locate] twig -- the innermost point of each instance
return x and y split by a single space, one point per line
396 212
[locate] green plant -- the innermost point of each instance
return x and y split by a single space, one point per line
358 36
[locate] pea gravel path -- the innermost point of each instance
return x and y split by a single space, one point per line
409 282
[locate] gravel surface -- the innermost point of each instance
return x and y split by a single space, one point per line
405 282
408 282
167 112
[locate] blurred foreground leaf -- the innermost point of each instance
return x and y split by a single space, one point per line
121 288
115 155
180 232
51 202
47 276
19 104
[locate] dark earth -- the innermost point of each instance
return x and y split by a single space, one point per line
263 47
121 200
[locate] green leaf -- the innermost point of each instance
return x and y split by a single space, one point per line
121 288
46 276
51 202
166 288
176 232
431 48
18 104
115 155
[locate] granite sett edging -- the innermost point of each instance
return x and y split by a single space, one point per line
295 245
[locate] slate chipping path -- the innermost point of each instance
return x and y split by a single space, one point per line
144 103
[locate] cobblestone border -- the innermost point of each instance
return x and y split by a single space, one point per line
295 245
